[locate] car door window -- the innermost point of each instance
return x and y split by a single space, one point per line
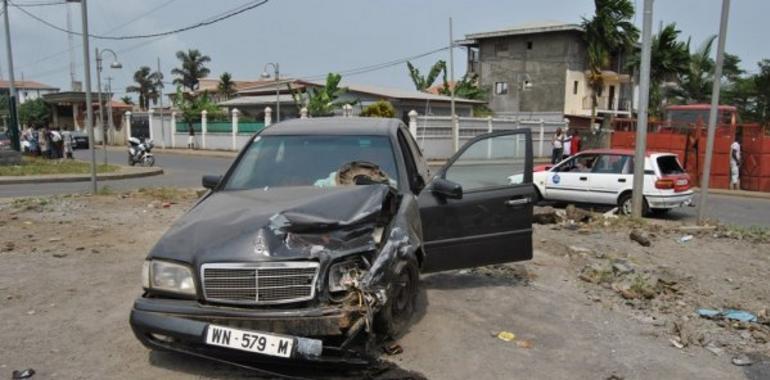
491 162
609 164
583 163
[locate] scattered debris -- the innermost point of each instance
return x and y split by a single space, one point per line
621 267
578 215
714 349
685 238
59 255
640 237
393 349
23 374
732 314
506 336
9 246
675 343
692 229
54 239
545 215
575 250
524 343
742 360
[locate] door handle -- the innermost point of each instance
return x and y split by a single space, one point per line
622 180
584 178
517 202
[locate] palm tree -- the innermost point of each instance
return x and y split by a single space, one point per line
192 70
422 83
696 82
127 100
145 86
226 85
670 59
157 86
611 30
323 101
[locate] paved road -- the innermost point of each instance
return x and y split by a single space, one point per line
186 171
180 171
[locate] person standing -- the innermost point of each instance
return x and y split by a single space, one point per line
558 146
574 143
56 143
66 137
45 144
735 163
567 144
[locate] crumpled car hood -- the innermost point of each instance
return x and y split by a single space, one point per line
253 225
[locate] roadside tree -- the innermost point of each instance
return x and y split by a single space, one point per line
380 108
193 68
35 113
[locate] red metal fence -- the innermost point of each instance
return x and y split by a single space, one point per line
689 143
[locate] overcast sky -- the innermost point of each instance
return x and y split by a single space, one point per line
311 37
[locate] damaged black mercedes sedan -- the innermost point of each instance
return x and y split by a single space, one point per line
313 242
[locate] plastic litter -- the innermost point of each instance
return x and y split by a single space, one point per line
393 349
742 360
23 374
524 344
506 336
736 315
685 238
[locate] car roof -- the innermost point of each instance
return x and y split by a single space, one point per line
334 126
623 152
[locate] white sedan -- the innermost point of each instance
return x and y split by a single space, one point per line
605 177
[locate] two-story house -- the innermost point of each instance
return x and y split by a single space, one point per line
541 68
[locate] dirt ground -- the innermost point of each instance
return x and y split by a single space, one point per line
592 304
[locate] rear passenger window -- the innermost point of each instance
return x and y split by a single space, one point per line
669 165
610 164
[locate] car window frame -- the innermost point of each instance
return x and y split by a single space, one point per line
624 157
572 159
528 164
415 181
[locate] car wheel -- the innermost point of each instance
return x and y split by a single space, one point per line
537 198
626 207
397 312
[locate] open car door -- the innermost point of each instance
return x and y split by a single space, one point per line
477 210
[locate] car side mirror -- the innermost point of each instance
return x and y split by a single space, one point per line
211 181
447 188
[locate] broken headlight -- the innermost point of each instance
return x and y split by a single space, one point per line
345 275
168 277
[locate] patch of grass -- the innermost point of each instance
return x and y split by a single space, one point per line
105 190
30 204
166 194
40 166
642 287
754 233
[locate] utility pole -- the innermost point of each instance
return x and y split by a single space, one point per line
13 126
637 196
160 98
71 48
453 117
110 126
87 82
705 178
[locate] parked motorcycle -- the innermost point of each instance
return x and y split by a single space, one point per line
140 152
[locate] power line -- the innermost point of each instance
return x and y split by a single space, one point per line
232 13
40 4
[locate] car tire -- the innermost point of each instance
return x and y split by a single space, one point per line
395 315
625 206
537 198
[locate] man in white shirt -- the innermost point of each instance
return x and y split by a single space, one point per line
735 163
567 144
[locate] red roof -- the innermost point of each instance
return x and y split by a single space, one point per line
26 85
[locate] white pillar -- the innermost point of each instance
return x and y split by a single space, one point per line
268 116
128 126
413 123
150 113
204 127
303 113
455 133
173 129
542 139
347 110
235 128
489 141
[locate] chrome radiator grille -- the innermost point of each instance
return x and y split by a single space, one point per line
259 283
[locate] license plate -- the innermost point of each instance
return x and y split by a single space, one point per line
681 182
251 341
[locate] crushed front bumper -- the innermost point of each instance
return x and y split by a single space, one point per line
180 325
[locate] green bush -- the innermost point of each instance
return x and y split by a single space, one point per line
380 108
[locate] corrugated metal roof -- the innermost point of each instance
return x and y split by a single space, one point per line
401 94
266 100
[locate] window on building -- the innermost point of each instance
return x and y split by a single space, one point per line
575 87
529 45
501 88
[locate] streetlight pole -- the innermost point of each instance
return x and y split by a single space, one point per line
109 111
87 82
277 88
115 65
704 185
637 196
13 119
